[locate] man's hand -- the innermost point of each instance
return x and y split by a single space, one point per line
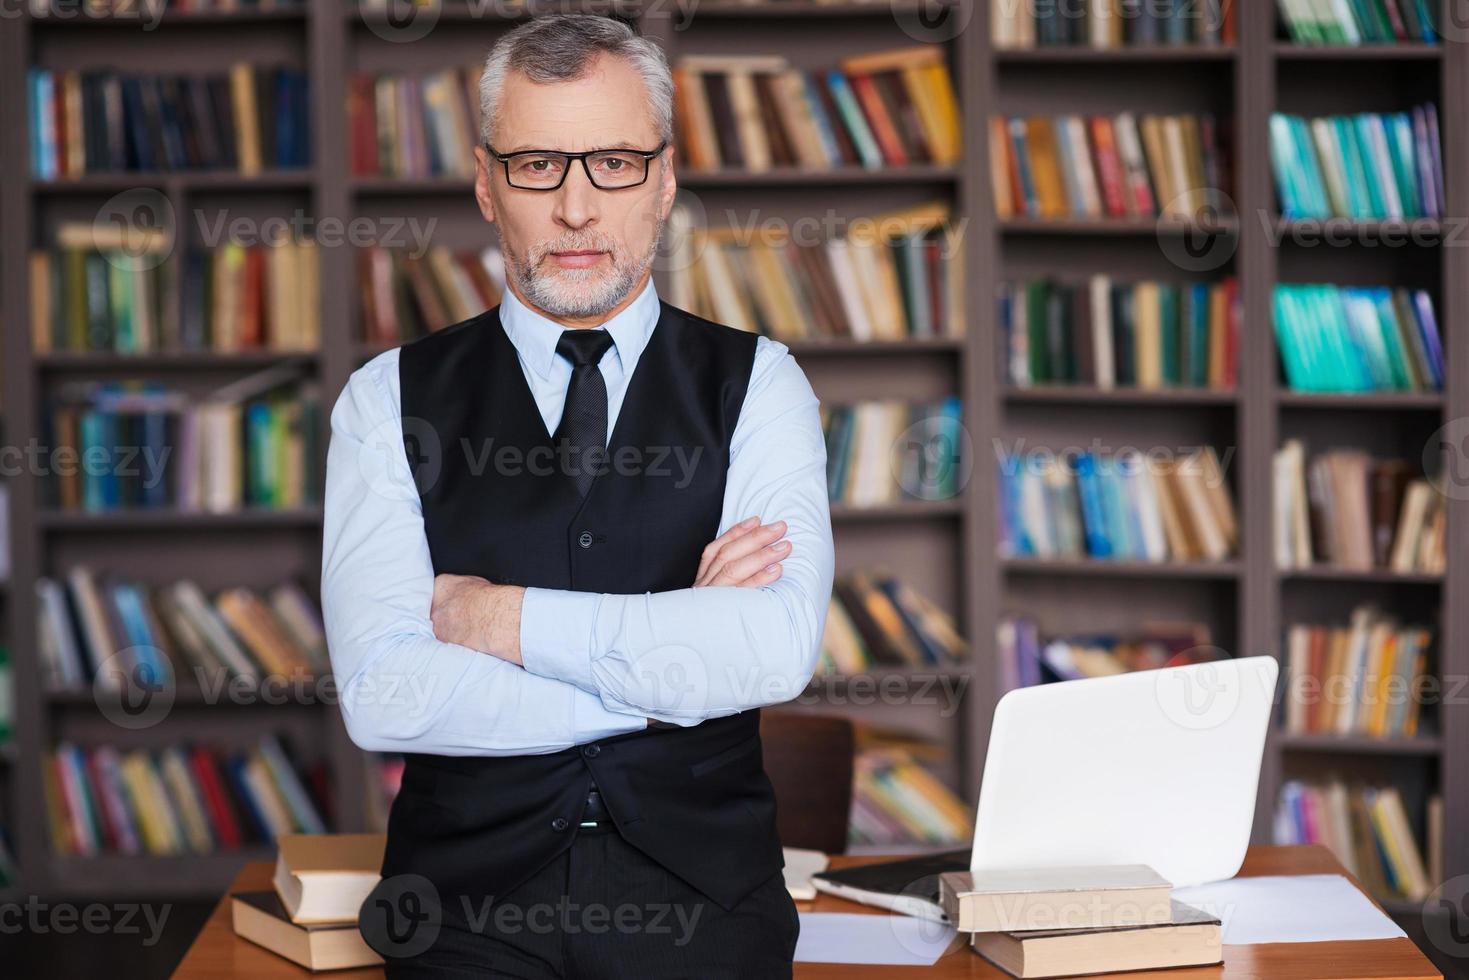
747 555
474 613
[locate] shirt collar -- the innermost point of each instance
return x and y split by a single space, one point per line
536 336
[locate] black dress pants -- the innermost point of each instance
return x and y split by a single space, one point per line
603 910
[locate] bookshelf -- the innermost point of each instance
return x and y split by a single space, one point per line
946 549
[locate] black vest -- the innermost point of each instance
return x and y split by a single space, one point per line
497 504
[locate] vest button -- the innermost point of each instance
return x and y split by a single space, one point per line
559 824
592 751
585 540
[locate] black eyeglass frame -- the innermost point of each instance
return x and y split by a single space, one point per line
647 155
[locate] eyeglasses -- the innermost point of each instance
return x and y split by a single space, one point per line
545 170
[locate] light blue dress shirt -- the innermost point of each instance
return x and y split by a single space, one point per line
595 665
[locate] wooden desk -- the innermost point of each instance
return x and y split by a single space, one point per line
218 955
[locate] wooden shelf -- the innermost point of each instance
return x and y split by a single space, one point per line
1142 53
165 361
190 696
1361 744
1405 51
1328 573
176 520
1362 401
181 180
907 510
1123 568
785 9
779 176
1088 395
1126 227
174 18
1364 227
842 347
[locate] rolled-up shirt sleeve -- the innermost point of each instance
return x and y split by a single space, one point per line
690 654
401 688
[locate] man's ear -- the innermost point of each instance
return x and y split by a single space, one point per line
669 189
482 164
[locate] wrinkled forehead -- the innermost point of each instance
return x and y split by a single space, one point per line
606 107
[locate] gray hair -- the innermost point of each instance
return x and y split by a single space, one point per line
560 47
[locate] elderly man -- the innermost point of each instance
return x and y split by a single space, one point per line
572 546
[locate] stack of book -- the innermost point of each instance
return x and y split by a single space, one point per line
247 119
1111 334
1027 659
414 126
1122 166
1067 921
874 620
1349 510
89 619
234 298
891 277
896 800
1359 22
1368 678
876 110
176 800
1112 24
1129 506
310 914
1369 831
885 451
405 296
253 443
1368 165
1357 338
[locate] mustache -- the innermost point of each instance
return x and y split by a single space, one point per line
586 242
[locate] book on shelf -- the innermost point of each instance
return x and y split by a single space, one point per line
260 918
1108 334
1368 829
1370 165
414 126
231 299
1347 509
1112 24
92 625
1120 166
325 878
870 461
173 8
247 118
406 296
1357 338
1190 937
177 799
875 110
891 276
896 800
253 443
1127 506
1064 897
1028 658
1369 677
1359 22
877 620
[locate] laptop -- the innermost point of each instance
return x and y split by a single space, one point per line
1157 767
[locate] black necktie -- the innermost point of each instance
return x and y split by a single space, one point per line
584 417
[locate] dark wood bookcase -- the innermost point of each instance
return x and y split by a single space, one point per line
947 549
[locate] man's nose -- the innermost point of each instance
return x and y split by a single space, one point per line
576 198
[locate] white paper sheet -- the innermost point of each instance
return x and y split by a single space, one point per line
801 864
1290 909
889 940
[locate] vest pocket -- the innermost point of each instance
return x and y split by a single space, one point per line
725 757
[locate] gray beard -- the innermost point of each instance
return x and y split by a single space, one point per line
550 292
